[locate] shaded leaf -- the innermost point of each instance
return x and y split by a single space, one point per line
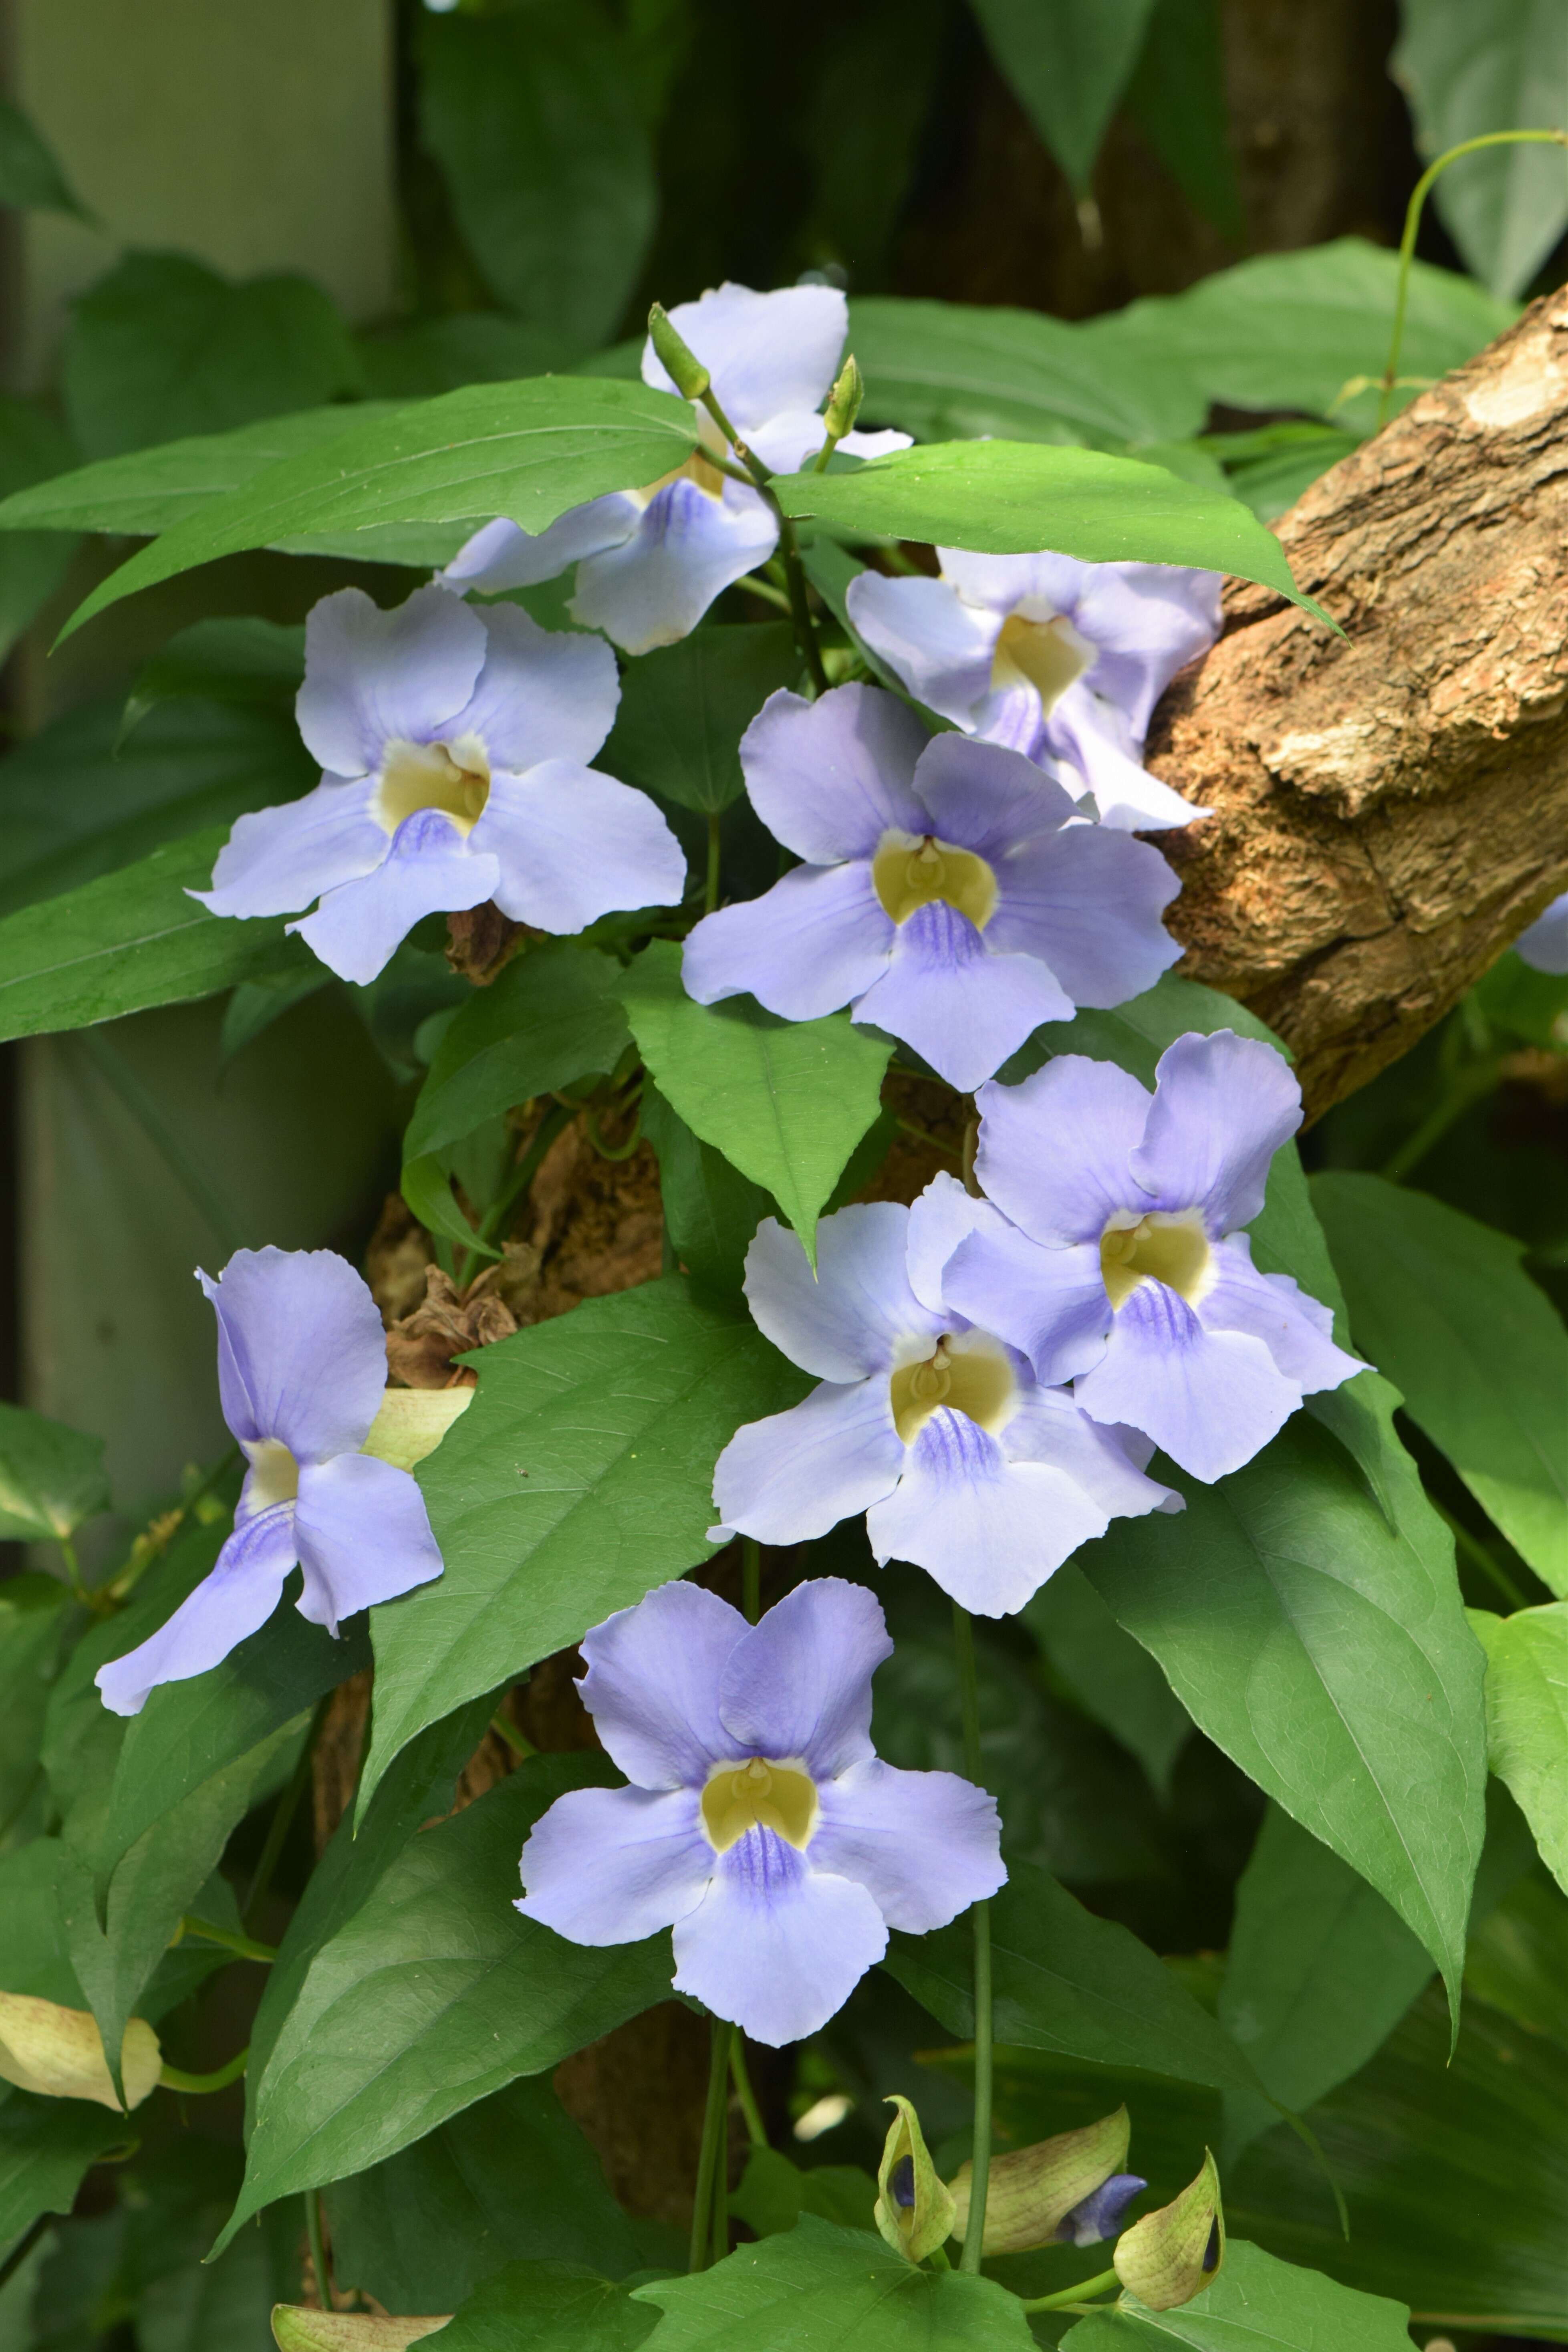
552 2307
1256 2304
684 709
51 1478
31 176
243 661
711 1210
1067 61
46 2147
1527 1720
32 1626
774 2193
1111 1677
33 447
1178 97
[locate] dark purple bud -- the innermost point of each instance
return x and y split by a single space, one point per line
1100 2214
901 2182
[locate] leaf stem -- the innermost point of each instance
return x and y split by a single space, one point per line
975 2234
246 1946
506 1729
1069 2299
714 2121
757 2130
174 2078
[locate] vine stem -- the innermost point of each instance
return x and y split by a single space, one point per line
1069 2299
789 546
1413 211
174 2078
980 2176
757 2130
714 2121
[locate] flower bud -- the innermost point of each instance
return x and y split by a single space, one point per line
59 2053
914 2212
680 361
844 400
298 2327
1169 2256
1035 2192
411 1424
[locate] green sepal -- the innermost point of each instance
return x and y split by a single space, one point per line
917 2227
1171 2255
1033 2189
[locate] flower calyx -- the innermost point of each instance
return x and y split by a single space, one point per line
1044 2192
844 400
915 2211
1171 2255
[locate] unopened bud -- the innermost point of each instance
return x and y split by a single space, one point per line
412 1422
844 400
1169 2256
298 2328
59 2053
914 2211
680 361
1036 2193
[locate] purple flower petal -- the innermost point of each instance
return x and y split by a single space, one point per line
501 556
791 1477
1107 1463
829 778
788 439
989 798
301 1352
1087 902
1297 1330
1087 733
612 1865
765 352
544 694
364 1535
817 939
1210 1400
1223 1107
687 549
925 1844
1053 1152
774 1946
1546 944
940 647
1099 2215
799 1685
652 1685
373 679
429 869
1050 1304
853 1315
570 845
277 860
962 1008
233 1602
1146 620
1001 584
942 1218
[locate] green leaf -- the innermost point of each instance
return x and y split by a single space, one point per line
526 450
876 81
51 1478
46 2147
550 2306
1067 61
818 2286
1271 468
1010 498
33 447
1069 1983
785 1101
132 939
1464 75
1306 1612
579 1478
251 663
436 356
954 371
32 1623
549 1017
774 2193
510 2177
1518 1957
1255 2305
74 807
1112 1678
685 707
1443 1305
533 120
434 1994
1527 1720
1178 97
711 1210
31 177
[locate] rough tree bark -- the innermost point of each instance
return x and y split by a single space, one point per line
1391 808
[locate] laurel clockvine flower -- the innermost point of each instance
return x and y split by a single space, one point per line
1546 944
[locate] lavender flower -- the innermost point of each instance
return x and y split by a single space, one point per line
1546 944
962 1461
1060 660
302 1368
949 895
650 561
1125 1269
759 1822
455 747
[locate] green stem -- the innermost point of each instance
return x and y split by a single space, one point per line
24 2247
504 1728
714 2121
499 1210
1413 222
766 591
1069 2297
1465 1089
750 1578
1478 1555
711 888
73 1572
318 2246
146 1110
718 2245
757 2130
174 2079
246 1946
975 2234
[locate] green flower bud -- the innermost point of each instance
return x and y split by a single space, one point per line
914 2211
298 2328
844 400
1169 2256
680 362
1033 2189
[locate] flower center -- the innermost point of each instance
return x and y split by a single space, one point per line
274 1472
452 777
1049 655
909 870
758 1795
974 1380
1164 1246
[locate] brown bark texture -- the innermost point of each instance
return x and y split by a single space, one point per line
1391 807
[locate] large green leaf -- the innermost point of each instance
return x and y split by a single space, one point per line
550 2306
1443 1307
33 447
132 939
1527 1720
1256 2304
819 2285
433 1995
685 707
580 1477
526 450
1111 1677
1069 1983
1011 498
46 2147
51 1478
1518 1958
785 1101
532 116
1306 1612
1067 61
711 1210
1464 72
31 177
253 664
1179 99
